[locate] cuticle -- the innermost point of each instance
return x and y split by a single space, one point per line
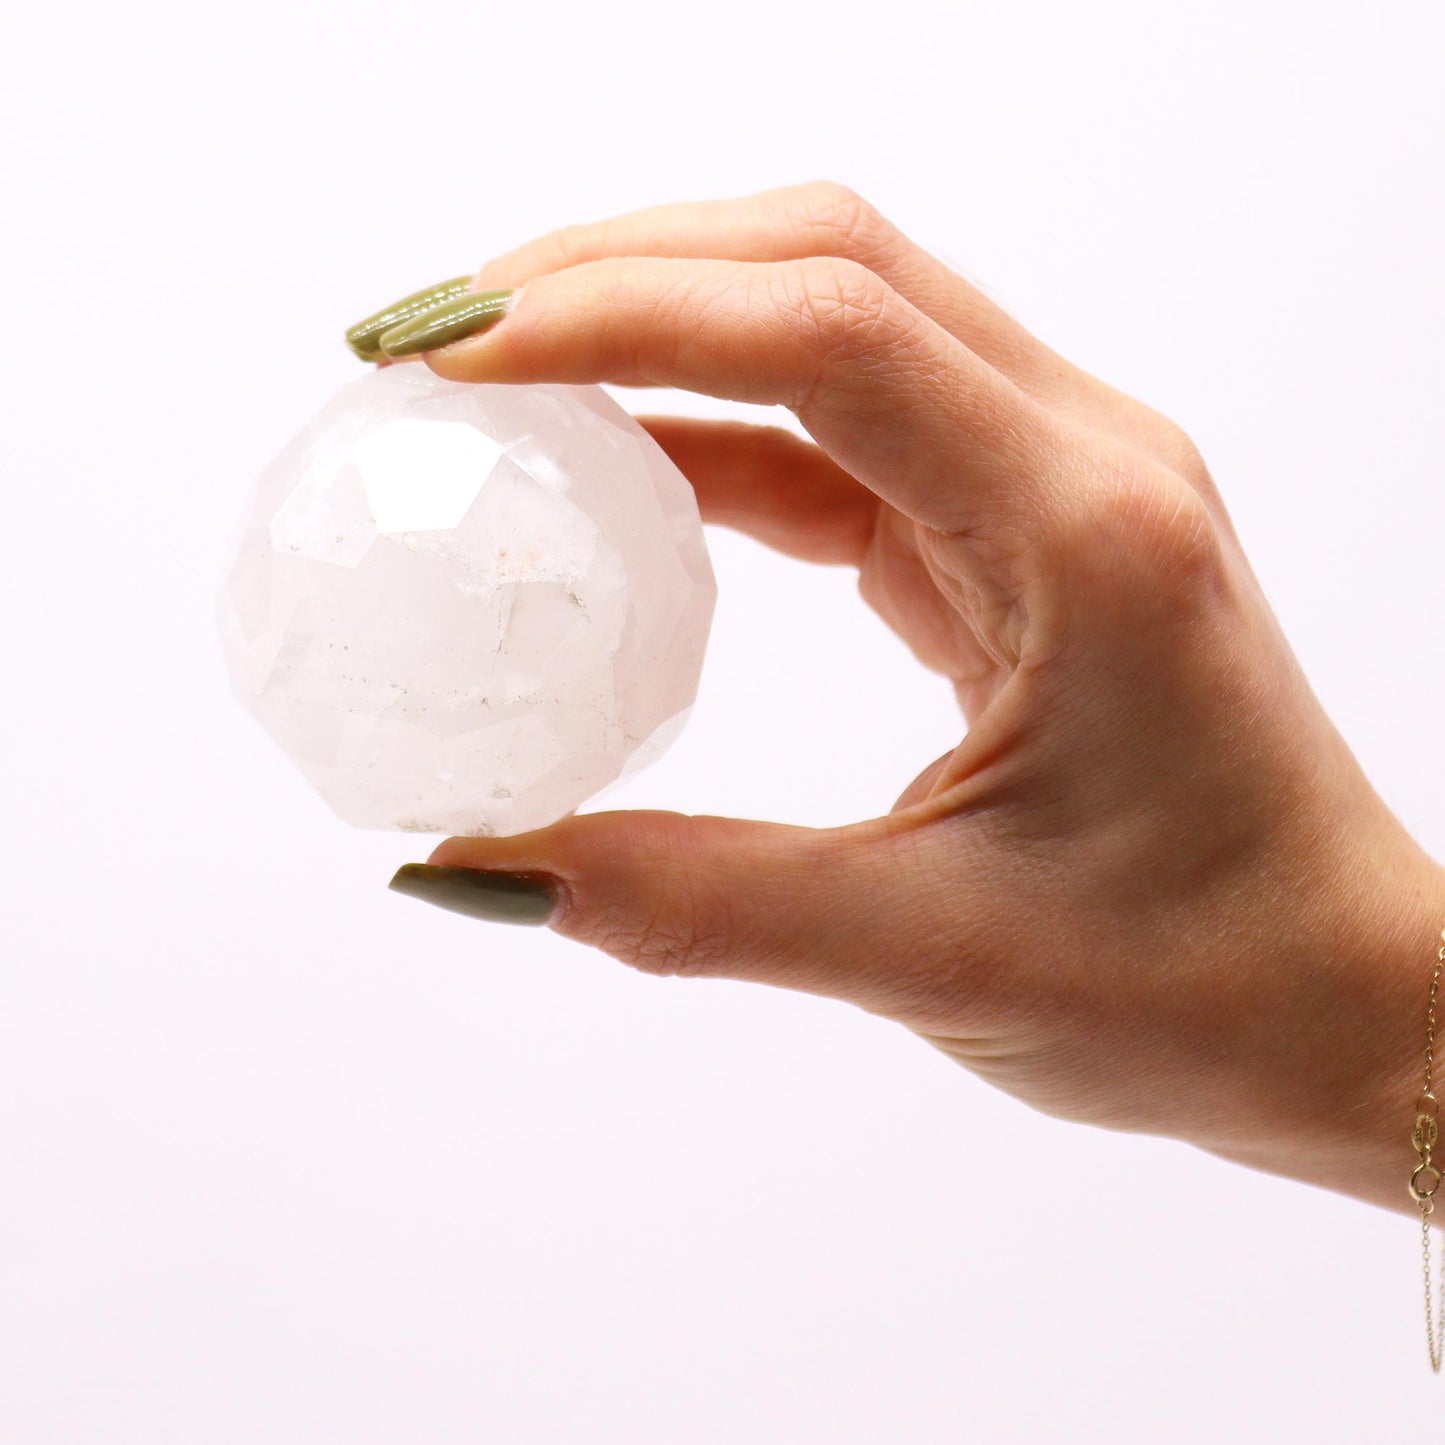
561 896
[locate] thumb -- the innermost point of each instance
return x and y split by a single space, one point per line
670 894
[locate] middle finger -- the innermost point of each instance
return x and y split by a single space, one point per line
793 224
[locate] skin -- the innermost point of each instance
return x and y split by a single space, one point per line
1151 889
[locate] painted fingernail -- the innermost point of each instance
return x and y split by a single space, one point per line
469 314
363 338
496 897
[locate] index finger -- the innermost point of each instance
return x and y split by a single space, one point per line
886 392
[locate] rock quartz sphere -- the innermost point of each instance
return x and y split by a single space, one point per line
465 609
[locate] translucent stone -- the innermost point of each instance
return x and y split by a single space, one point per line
466 609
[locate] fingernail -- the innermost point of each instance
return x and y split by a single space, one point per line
364 336
469 314
496 897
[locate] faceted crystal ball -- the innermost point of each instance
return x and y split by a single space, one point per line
465 609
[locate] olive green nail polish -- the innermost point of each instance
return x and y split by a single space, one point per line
451 320
496 897
364 336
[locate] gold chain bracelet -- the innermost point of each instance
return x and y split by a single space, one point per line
1425 1181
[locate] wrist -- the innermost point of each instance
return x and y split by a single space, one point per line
1356 1039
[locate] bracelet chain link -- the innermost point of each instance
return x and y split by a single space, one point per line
1426 1179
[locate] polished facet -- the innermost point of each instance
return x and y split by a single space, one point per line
465 609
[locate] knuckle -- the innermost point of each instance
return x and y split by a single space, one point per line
684 925
839 305
575 244
1172 446
1149 527
1182 456
1178 451
691 323
672 944
837 219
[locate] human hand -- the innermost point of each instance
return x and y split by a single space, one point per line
1150 889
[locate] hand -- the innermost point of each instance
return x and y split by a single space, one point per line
1150 888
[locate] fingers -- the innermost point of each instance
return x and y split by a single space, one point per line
891 397
813 909
771 484
923 785
784 491
819 219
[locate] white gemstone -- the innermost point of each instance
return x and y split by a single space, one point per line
466 609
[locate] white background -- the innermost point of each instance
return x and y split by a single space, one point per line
285 1157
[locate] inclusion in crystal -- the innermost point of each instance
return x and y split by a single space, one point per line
466 609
